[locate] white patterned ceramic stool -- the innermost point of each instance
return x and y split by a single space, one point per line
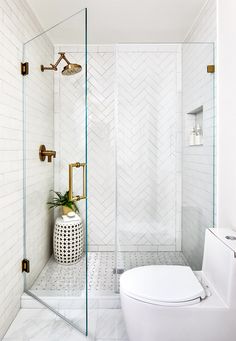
68 241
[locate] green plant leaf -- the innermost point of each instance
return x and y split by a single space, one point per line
62 200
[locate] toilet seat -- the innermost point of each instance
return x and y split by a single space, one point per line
170 285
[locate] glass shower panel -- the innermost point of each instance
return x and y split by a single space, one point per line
157 86
55 157
198 152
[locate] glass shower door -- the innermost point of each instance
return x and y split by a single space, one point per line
54 74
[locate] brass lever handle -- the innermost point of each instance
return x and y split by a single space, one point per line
43 153
77 197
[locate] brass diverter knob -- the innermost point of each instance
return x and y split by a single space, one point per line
43 153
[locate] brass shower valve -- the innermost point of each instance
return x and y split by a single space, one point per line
43 153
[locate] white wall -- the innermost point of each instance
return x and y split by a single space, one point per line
39 126
127 21
17 25
226 123
198 171
204 27
198 166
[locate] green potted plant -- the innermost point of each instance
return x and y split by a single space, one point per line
62 200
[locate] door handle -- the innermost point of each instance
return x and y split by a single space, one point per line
77 197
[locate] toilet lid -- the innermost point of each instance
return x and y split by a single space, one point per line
162 284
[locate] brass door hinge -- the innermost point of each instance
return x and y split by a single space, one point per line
24 69
210 68
25 265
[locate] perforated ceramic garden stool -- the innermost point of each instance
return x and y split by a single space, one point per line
68 241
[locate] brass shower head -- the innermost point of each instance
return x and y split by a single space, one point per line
68 70
71 69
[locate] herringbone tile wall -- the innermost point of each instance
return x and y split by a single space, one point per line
146 147
132 88
70 138
69 125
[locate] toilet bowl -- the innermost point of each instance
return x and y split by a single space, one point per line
173 303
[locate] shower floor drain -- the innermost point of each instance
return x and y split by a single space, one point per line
118 271
231 237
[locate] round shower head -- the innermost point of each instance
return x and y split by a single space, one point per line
71 69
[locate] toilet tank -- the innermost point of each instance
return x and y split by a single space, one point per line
219 262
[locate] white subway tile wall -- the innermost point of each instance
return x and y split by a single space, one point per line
198 174
39 127
17 25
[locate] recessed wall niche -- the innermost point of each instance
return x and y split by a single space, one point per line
196 127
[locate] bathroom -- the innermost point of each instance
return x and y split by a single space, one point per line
118 218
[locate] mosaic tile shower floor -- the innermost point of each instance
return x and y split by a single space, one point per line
69 280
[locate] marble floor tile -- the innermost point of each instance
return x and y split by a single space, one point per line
110 325
44 325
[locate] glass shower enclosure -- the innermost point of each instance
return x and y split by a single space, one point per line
55 158
149 142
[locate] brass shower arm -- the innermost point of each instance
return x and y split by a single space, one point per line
54 66
69 69
62 56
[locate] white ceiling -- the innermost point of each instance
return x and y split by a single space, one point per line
120 21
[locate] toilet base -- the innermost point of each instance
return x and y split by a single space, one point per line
148 322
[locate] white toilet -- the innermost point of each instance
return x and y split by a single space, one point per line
172 303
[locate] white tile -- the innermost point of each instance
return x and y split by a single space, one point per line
110 325
197 166
41 324
19 25
146 155
166 248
